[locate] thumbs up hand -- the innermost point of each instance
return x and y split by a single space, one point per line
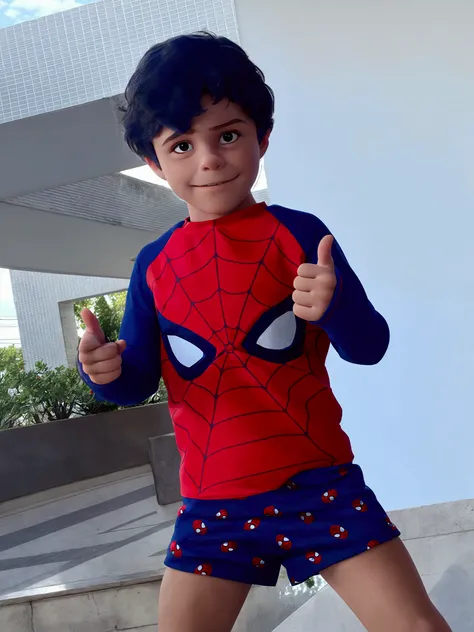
101 360
315 284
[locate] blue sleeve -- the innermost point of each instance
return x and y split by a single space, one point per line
357 331
141 364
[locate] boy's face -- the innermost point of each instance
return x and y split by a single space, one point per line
213 166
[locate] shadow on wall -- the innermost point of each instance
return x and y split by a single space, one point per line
454 596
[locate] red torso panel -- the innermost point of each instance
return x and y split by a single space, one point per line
249 394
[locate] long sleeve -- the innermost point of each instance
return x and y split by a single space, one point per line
141 366
358 332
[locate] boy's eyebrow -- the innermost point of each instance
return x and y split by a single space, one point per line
232 122
177 135
211 129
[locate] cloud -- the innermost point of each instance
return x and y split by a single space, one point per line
38 8
13 14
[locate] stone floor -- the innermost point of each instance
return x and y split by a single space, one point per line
91 533
89 557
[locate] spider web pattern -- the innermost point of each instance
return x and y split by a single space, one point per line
245 423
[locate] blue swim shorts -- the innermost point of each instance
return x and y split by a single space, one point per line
319 518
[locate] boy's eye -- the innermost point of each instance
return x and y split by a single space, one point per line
229 137
183 148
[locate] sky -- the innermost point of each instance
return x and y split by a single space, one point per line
16 11
7 308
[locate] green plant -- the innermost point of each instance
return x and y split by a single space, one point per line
44 394
109 310
161 395
11 359
12 372
87 404
10 405
50 394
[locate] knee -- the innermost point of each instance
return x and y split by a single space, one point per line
433 623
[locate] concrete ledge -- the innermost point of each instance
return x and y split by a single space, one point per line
62 452
165 463
435 520
134 608
16 618
80 588
124 608
41 498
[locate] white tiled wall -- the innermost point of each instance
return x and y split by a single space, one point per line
88 53
37 301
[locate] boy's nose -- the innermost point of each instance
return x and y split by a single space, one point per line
211 161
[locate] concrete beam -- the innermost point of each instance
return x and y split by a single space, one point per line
70 145
47 242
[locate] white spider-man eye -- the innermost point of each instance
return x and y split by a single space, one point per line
189 353
280 334
184 351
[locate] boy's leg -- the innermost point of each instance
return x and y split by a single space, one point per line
192 603
384 590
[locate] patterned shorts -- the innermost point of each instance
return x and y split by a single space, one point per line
317 519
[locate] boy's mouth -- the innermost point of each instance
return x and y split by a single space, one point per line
215 184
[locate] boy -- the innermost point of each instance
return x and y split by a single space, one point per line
236 307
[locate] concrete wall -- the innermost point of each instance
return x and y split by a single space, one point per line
60 75
69 333
35 240
440 539
62 452
374 133
39 152
89 52
45 313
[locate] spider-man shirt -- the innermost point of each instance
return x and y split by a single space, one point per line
210 309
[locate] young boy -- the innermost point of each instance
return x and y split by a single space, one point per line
236 307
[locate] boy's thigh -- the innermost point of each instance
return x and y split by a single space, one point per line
385 591
193 603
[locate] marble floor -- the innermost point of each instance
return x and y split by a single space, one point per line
91 533
89 557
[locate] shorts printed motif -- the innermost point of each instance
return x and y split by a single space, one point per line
317 519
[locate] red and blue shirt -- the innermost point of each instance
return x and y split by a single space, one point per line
209 308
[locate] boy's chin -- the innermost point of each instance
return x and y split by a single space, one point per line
205 213
215 208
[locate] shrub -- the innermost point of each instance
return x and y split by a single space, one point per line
44 394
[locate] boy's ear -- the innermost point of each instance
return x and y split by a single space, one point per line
155 167
265 143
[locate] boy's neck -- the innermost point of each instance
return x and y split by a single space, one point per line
197 215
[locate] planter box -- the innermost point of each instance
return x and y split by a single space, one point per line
36 458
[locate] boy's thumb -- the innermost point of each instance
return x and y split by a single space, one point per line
122 345
92 325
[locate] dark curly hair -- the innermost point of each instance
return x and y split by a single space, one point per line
167 87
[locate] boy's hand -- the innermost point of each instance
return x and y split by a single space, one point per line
315 284
101 360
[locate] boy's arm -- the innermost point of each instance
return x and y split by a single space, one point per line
357 331
141 366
